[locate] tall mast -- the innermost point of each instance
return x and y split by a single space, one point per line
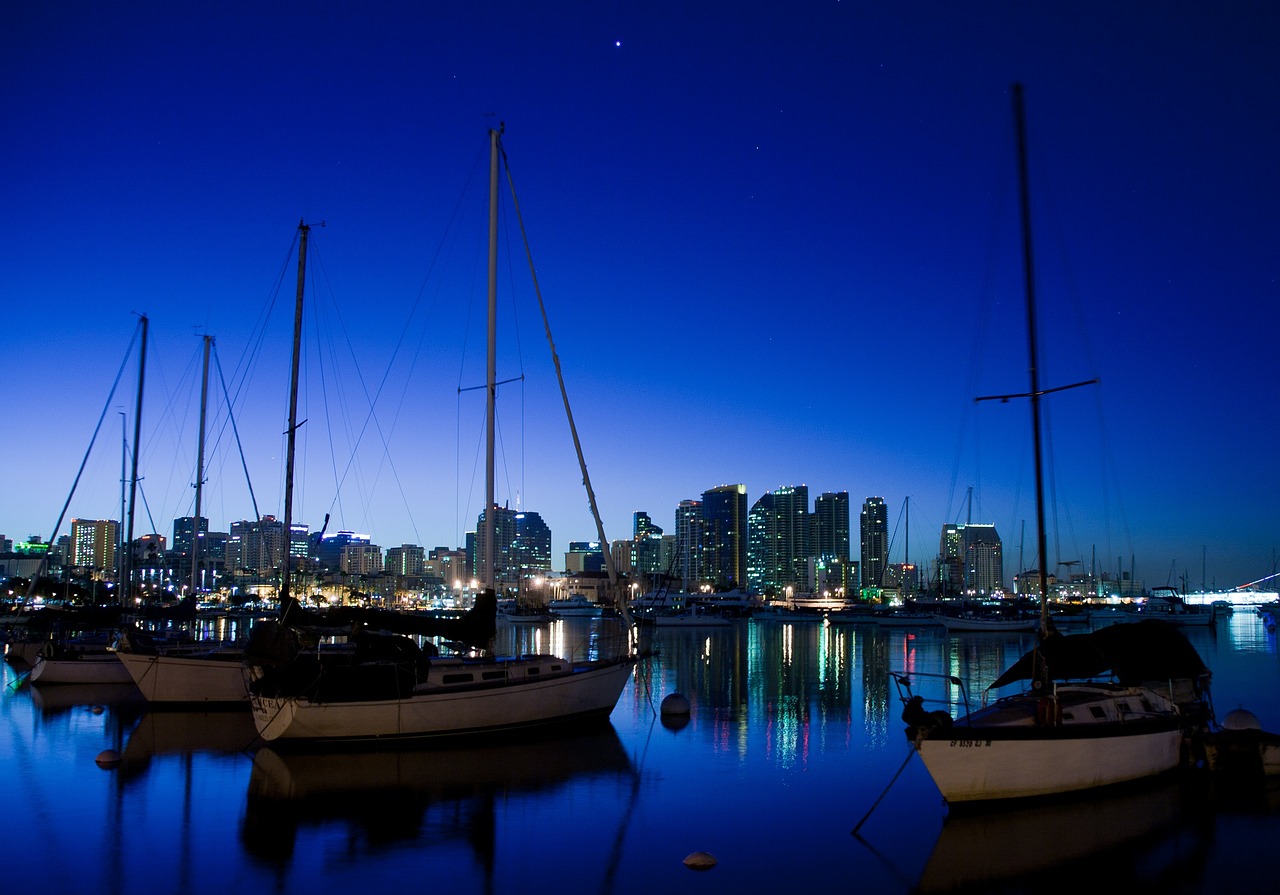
124 460
127 564
1030 286
491 373
195 522
292 431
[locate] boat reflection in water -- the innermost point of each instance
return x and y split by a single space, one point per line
430 795
162 734
1146 838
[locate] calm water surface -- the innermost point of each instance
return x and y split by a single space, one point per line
794 735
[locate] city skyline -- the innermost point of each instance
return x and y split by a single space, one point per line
778 245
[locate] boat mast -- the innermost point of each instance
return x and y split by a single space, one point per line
292 431
124 460
1030 287
195 522
127 564
487 578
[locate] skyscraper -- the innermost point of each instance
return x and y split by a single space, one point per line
779 541
831 525
970 559
531 550
689 543
874 526
93 544
724 521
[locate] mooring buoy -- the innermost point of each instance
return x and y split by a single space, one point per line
108 758
700 860
675 704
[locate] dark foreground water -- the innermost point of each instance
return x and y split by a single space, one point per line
794 735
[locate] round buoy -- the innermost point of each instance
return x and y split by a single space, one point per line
1241 719
675 704
108 758
700 860
97 710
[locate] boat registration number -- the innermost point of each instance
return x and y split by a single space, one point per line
970 744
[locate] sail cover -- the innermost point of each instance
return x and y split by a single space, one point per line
1142 651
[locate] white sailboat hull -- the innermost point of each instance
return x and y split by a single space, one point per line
968 767
188 679
578 695
962 624
89 668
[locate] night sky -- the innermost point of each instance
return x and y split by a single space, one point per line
779 245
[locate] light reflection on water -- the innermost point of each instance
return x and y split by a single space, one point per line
793 736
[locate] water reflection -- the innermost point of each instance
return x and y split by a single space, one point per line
428 797
1150 839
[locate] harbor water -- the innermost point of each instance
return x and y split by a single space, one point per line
793 738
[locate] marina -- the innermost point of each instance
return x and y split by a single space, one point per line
793 738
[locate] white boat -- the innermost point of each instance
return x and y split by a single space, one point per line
970 623
70 664
396 691
1102 708
1166 603
575 606
904 618
189 675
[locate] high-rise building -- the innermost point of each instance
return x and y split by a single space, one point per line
531 550
689 544
874 527
93 545
983 559
326 550
724 533
779 541
970 559
255 547
646 546
584 556
407 561
361 559
506 566
185 531
831 525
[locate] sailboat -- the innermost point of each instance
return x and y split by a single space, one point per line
91 658
1104 708
187 673
383 687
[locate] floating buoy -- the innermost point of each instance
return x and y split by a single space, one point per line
108 758
1241 719
675 704
97 710
700 860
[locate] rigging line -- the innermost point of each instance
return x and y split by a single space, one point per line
57 526
564 394
241 374
239 446
370 417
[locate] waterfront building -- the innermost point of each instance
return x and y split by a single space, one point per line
779 532
724 533
831 525
970 559
506 565
326 550
874 528
186 529
584 556
255 547
406 561
689 540
93 546
361 559
531 549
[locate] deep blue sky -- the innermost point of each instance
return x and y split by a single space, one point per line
778 241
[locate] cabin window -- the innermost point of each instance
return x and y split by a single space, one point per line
1097 712
1067 716
555 667
493 675
458 678
534 671
1147 705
